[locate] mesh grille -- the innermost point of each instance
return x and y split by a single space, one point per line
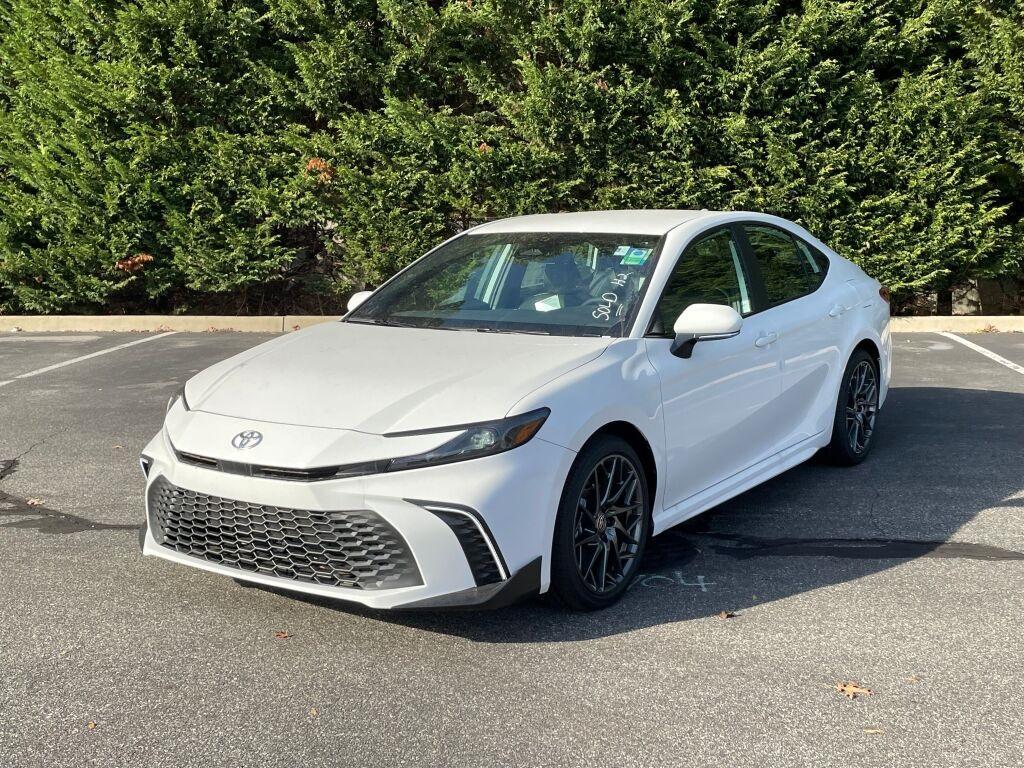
358 549
478 554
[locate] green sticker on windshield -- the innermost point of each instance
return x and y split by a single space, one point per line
635 257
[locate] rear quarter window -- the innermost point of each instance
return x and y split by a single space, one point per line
816 260
790 268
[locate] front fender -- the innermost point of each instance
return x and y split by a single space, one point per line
619 386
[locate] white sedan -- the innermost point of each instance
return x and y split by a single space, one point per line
521 409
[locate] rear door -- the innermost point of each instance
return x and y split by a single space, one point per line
718 404
805 308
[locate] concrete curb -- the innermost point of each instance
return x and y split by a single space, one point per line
297 322
959 324
188 323
279 323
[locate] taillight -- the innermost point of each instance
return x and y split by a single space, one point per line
884 293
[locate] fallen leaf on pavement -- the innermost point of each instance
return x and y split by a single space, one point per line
852 690
313 712
282 634
874 731
725 615
91 725
913 679
118 447
35 502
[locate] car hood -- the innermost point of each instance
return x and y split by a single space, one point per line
382 379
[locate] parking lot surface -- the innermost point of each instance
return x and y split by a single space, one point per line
904 575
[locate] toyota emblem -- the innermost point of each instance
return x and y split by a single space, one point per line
248 439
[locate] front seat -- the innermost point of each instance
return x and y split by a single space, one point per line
564 282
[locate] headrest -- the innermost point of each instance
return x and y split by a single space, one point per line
562 272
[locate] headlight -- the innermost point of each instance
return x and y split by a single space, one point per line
179 395
476 440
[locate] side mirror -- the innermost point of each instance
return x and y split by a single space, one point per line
357 299
704 322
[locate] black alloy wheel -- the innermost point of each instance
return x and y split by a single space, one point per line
861 406
609 524
856 411
603 525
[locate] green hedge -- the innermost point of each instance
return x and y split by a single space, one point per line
254 156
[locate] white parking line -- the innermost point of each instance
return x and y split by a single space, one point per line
55 366
986 352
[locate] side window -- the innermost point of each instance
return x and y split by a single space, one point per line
817 262
790 269
709 272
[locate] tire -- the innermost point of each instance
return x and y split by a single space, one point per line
856 412
594 558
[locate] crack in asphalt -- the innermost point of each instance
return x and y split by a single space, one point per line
672 548
42 518
857 549
871 512
7 467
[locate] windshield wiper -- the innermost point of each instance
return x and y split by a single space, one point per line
392 323
502 330
397 324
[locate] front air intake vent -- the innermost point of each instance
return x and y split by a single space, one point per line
481 553
355 549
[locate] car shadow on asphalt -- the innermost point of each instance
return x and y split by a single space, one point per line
941 456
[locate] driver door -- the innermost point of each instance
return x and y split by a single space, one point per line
718 405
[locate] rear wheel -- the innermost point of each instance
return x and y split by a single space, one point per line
602 527
856 411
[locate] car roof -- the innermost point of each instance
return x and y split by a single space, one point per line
640 222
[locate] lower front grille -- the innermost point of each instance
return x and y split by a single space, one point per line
356 549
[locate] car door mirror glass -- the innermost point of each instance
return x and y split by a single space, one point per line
704 322
357 299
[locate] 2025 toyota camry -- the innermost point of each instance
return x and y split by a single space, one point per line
521 409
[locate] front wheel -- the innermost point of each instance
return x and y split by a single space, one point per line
602 526
856 411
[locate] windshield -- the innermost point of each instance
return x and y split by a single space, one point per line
565 284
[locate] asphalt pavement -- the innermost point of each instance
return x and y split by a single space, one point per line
904 575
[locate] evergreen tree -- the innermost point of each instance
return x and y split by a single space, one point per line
266 155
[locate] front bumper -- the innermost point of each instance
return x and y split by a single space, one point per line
511 498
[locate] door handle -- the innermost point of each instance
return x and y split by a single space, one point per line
766 339
837 310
